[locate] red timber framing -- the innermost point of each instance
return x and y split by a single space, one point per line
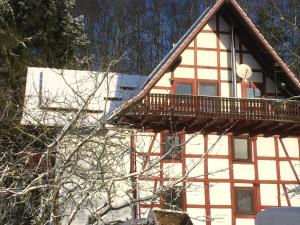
206 180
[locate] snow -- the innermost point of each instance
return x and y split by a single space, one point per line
52 96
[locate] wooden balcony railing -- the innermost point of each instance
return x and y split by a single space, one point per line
222 107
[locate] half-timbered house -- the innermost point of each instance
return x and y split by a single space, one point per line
231 146
236 141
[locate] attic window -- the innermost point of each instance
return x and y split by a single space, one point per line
127 88
113 98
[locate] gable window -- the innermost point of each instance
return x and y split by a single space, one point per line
241 149
184 89
171 145
172 199
208 89
244 200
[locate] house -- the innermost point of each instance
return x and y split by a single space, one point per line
235 140
216 125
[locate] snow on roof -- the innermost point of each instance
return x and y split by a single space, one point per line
52 96
279 216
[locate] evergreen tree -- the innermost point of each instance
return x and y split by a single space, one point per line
32 33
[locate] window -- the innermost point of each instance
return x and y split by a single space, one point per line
208 105
173 198
208 89
171 144
253 92
241 149
244 198
184 89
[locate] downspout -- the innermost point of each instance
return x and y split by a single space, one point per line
233 64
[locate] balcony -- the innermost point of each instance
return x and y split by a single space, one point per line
216 114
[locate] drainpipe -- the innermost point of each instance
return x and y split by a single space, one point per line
233 64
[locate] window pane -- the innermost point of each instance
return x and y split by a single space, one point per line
244 201
241 148
208 89
172 142
253 93
184 89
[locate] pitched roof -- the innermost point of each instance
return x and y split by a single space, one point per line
236 12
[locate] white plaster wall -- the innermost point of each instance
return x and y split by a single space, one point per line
155 168
256 77
221 148
164 80
296 164
207 40
294 198
207 58
195 193
270 87
195 145
225 59
144 212
286 172
225 75
209 74
239 90
223 24
243 184
159 91
143 141
225 41
219 194
245 221
218 168
197 215
196 167
191 45
187 57
267 170
268 194
181 72
226 89
85 161
243 171
145 189
237 43
265 146
291 146
211 25
282 197
172 170
221 216
248 59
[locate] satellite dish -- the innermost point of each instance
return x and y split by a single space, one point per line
244 71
